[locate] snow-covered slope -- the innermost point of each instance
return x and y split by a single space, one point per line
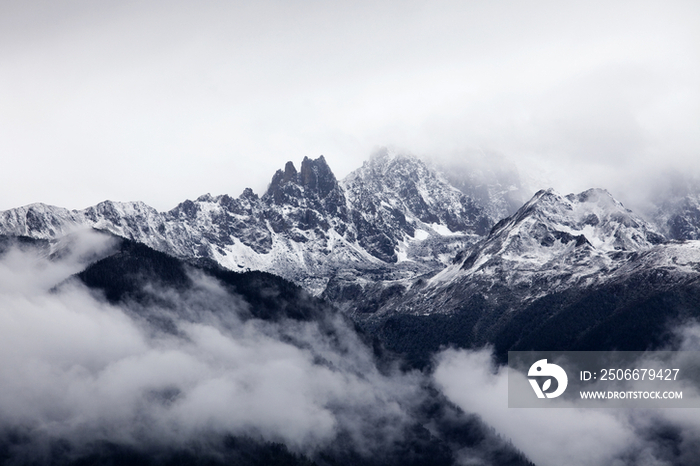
393 218
552 243
40 221
679 218
572 237
396 198
576 272
671 201
420 264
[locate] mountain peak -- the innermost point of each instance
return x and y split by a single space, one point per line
282 177
385 160
314 178
576 234
395 209
398 196
290 172
316 175
38 220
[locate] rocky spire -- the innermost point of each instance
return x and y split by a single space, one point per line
316 176
314 180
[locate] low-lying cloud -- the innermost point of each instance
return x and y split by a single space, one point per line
77 368
570 434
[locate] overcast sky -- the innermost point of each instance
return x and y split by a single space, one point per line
165 100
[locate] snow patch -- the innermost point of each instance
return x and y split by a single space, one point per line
442 230
421 235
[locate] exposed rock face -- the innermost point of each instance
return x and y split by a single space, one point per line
672 202
403 252
680 218
393 217
564 272
393 196
590 230
552 243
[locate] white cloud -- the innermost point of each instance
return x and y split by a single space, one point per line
570 434
79 369
547 436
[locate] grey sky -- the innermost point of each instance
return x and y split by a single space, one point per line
161 101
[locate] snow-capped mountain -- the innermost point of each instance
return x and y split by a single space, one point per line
680 218
564 272
552 242
572 238
393 218
396 198
418 264
671 201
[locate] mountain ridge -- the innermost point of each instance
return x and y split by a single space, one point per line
392 222
575 272
307 226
